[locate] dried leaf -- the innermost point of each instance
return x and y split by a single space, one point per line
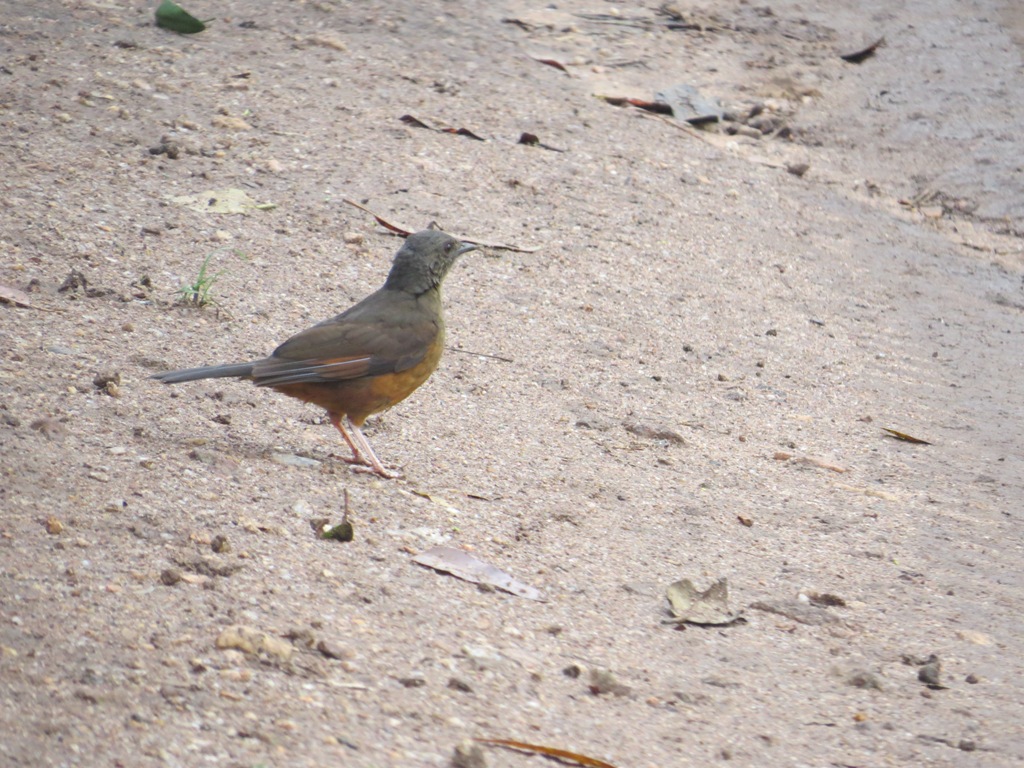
551 63
463 565
560 754
403 231
175 18
20 298
709 608
859 54
904 436
462 132
228 201
651 106
820 463
523 25
415 122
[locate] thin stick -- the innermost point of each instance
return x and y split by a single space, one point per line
406 232
481 354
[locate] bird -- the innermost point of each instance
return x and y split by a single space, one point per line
371 356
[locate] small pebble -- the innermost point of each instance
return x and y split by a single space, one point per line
468 754
333 650
863 679
603 681
930 671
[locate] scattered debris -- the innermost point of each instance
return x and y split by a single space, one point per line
826 600
255 643
334 651
531 140
862 678
603 681
342 531
904 437
74 282
203 565
652 432
558 754
463 565
688 105
651 106
11 295
458 684
929 670
293 460
175 18
51 428
708 608
809 461
108 382
551 63
226 201
862 52
523 25
468 755
415 122
797 610
405 231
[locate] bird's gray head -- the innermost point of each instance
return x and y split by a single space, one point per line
423 261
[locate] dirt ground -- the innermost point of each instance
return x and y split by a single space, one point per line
690 377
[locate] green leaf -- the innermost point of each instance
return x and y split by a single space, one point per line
175 18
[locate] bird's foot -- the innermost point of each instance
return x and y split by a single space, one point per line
364 466
381 471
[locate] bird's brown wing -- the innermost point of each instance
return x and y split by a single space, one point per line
370 339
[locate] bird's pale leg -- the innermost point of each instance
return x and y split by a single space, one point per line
357 457
367 451
362 452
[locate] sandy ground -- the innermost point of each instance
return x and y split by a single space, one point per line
689 378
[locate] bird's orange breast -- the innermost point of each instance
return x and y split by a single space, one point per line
359 398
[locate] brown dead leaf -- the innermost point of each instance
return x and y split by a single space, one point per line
16 296
551 63
463 565
709 608
558 754
904 436
415 122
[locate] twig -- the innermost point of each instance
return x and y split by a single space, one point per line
481 354
404 232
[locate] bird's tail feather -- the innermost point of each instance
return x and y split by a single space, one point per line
232 371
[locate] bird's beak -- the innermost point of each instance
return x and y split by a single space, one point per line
465 248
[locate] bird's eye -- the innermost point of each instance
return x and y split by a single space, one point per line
448 246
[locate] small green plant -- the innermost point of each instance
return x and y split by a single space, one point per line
198 293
